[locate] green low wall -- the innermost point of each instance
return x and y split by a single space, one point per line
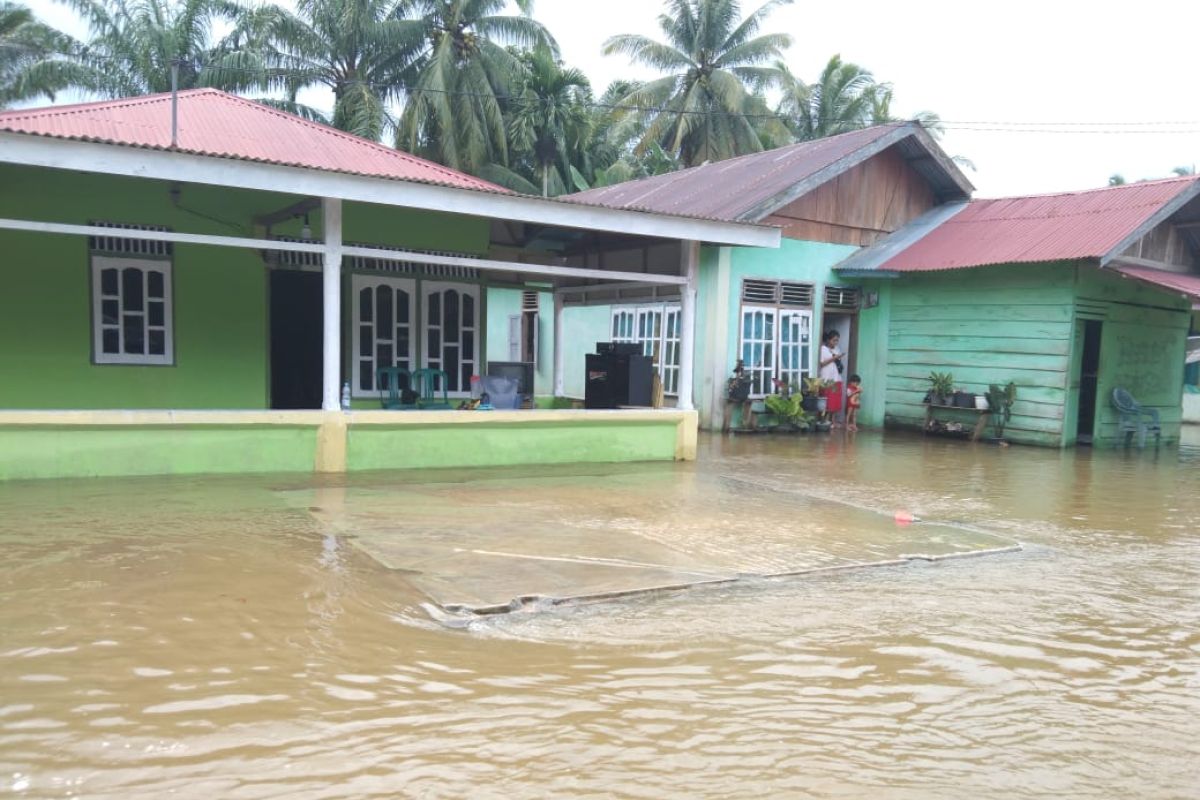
80 444
128 450
421 447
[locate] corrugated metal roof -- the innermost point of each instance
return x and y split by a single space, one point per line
1056 227
214 123
729 189
1183 283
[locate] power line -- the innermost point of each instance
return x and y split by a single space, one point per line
1109 127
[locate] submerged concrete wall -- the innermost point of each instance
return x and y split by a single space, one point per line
74 444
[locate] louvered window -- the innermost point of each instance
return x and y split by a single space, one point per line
843 297
775 336
529 301
121 246
383 264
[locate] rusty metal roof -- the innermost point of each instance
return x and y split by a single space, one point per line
1183 283
214 123
1056 227
744 188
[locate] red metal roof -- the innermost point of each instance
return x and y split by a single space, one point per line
726 190
1183 283
1056 227
213 123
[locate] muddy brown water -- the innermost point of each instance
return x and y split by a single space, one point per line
210 638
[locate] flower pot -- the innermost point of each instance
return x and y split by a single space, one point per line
810 404
964 400
822 404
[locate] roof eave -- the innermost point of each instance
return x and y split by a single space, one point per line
140 162
1153 221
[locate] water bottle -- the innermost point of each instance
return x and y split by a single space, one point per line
346 396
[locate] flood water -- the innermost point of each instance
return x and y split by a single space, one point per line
212 638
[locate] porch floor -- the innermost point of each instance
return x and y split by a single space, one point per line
485 544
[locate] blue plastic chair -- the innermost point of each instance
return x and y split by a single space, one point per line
1135 419
393 383
427 383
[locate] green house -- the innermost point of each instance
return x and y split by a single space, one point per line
1069 296
196 283
830 198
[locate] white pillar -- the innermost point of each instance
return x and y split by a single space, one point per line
559 349
687 321
331 223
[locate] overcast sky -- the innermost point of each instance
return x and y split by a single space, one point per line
1043 66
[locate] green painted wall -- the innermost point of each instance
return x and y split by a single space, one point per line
1023 323
987 325
583 326
68 452
873 326
376 447
1141 349
503 303
220 294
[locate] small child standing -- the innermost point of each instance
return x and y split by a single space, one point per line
853 401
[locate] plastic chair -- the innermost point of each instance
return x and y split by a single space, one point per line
427 383
504 392
393 384
1135 419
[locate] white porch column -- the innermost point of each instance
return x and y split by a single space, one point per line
687 321
331 222
559 349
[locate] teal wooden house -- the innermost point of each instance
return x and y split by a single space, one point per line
1069 296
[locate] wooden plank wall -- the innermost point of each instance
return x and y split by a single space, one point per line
986 325
861 205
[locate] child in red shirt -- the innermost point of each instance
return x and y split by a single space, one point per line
853 402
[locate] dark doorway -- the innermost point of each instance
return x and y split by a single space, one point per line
1089 381
296 352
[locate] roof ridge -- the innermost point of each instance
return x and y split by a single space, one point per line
72 108
393 152
775 151
1093 190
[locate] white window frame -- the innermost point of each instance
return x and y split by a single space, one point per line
765 373
359 282
632 323
146 266
472 290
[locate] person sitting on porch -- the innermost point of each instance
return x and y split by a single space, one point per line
830 371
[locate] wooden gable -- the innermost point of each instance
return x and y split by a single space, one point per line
860 206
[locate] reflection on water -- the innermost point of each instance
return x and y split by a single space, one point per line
210 638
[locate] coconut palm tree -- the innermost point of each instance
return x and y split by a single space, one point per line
845 97
454 113
714 62
364 51
33 57
132 46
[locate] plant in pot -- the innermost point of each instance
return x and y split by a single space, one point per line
1000 400
963 399
812 395
941 388
789 410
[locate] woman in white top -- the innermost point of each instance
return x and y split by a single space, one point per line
829 368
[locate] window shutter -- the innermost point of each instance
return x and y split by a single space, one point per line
796 295
756 291
846 297
529 300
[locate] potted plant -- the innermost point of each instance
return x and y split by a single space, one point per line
789 410
1000 401
812 395
962 399
941 388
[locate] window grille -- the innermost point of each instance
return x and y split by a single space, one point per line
383 264
777 293
846 297
122 246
